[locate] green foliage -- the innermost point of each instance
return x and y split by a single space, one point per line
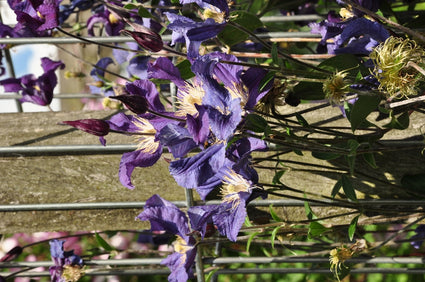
258 124
362 108
103 244
185 69
352 227
231 35
316 229
345 183
398 122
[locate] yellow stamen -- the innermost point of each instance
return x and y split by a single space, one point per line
72 273
234 183
218 17
189 96
146 143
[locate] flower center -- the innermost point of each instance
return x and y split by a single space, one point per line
189 96
181 246
234 183
146 141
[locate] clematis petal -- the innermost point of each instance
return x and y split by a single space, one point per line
131 160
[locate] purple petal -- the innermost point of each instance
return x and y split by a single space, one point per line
165 216
177 139
131 160
199 171
146 89
163 68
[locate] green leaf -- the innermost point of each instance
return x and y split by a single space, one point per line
316 229
210 274
352 227
266 79
275 56
309 91
277 176
247 222
298 152
103 243
273 236
342 62
401 122
301 120
348 188
143 12
185 69
336 188
309 212
231 35
249 241
351 160
130 6
362 108
352 146
370 159
274 215
257 123
414 182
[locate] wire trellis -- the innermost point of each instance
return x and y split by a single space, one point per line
143 266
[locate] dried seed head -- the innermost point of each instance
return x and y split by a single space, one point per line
394 60
336 87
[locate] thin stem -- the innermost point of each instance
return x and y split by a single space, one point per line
263 42
397 233
93 65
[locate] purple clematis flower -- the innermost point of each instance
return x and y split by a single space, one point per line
145 127
101 85
67 265
137 64
2 69
35 90
110 22
200 171
191 32
165 216
35 18
95 127
354 36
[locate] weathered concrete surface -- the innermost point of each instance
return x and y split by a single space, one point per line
70 178
94 178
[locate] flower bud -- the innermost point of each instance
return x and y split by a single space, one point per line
135 103
96 127
12 254
148 39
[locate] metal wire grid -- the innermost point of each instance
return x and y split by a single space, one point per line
138 266
129 267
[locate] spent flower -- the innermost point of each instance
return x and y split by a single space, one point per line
397 66
339 255
336 87
68 266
